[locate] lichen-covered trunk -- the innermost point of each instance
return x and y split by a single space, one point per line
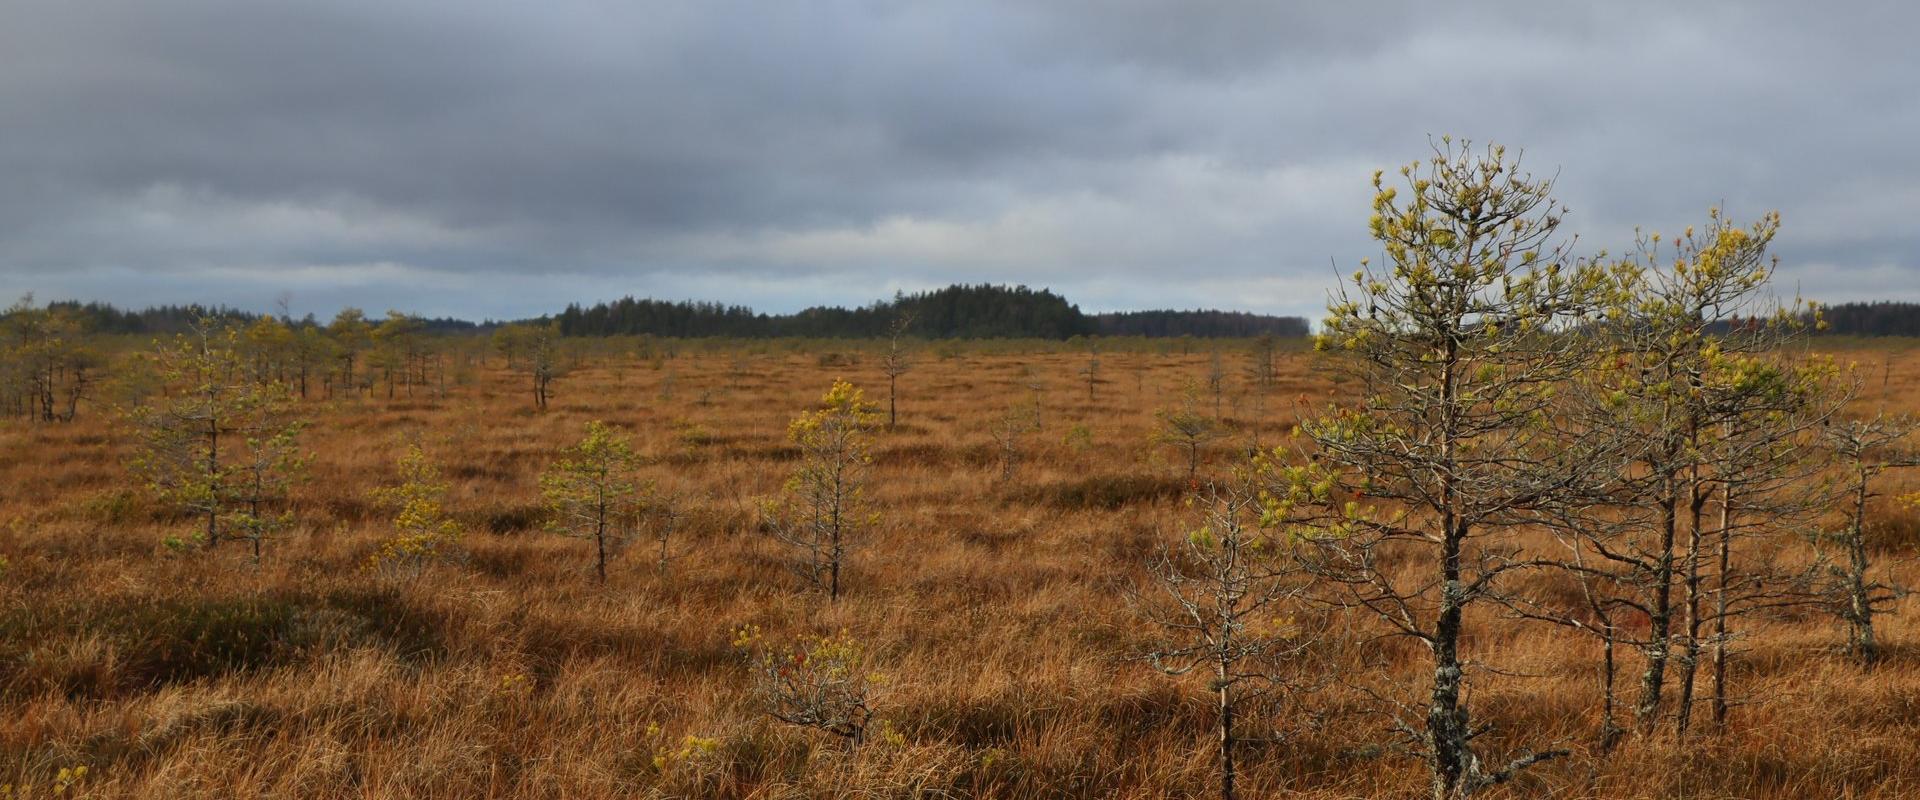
1448 734
1690 648
1860 638
1653 679
1447 729
1720 633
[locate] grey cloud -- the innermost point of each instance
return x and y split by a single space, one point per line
501 159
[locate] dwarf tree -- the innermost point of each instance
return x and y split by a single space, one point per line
214 419
666 511
264 475
1262 377
1217 383
44 354
510 341
818 682
895 364
1228 592
1092 369
423 532
1454 347
1865 448
592 492
351 334
1013 425
541 361
1189 431
1687 386
400 353
823 504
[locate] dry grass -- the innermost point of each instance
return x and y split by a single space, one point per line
994 608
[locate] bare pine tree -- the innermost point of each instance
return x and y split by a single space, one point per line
1189 431
895 364
666 512
1009 430
1454 347
1226 602
818 682
1865 448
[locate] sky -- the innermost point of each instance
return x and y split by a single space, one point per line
482 159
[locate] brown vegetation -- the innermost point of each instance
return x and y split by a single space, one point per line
994 611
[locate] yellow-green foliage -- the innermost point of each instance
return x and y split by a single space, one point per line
591 492
222 436
423 533
63 784
822 504
816 681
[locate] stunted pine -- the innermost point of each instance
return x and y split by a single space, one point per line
1864 448
896 363
1009 430
1454 348
818 682
666 512
1189 432
46 367
1092 369
1224 598
1689 391
593 493
541 361
423 531
214 432
351 335
823 505
263 478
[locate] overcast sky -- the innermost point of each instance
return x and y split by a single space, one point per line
481 159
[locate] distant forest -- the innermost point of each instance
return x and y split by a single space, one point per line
104 318
981 312
1872 319
955 312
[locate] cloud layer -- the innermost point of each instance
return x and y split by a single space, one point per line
486 159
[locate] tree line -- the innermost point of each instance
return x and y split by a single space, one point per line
982 311
1885 318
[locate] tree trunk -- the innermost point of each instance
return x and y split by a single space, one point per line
1690 653
1446 720
1609 732
1720 611
1659 619
1860 598
1225 700
213 481
600 554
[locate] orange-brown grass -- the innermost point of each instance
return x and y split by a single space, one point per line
995 610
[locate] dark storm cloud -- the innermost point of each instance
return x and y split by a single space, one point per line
497 159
